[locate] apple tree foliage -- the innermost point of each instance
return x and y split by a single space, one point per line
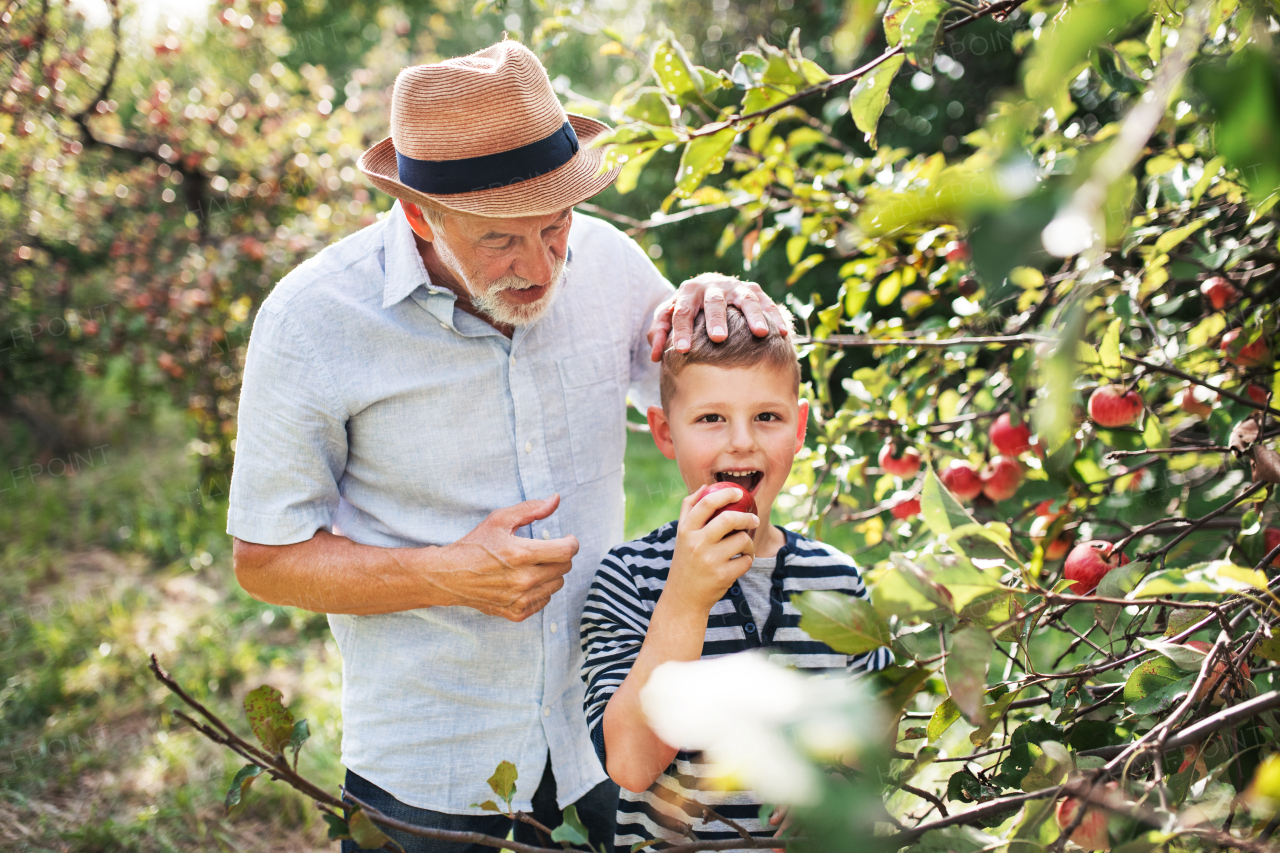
1110 222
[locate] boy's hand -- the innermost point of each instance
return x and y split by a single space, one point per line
711 553
780 818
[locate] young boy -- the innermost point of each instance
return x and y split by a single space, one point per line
704 586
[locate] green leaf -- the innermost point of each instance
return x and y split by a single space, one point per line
650 107
366 834
893 15
943 717
301 732
338 828
1112 68
1149 676
922 31
1070 37
942 512
871 95
571 831
1024 749
503 781
895 595
993 714
1183 657
1109 352
487 805
1050 768
1171 238
674 71
269 718
704 155
849 625
1163 698
240 784
1219 576
1244 93
888 289
968 656
1155 433
1118 583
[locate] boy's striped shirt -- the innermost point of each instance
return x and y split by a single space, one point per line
614 623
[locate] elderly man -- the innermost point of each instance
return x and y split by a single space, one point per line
430 444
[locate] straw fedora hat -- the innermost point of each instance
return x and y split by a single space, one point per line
485 135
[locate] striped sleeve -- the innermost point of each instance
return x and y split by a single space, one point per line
614 623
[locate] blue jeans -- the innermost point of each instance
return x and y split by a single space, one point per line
597 809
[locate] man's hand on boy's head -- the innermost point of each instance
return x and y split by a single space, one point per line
711 553
710 292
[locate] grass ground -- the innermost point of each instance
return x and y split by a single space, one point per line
123 557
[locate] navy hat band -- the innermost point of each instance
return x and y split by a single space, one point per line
490 171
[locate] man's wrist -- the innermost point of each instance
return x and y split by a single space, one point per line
422 575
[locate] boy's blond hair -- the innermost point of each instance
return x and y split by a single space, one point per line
740 349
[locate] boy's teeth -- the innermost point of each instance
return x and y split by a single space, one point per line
745 479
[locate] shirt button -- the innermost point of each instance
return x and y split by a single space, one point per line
554 627
751 628
528 447
546 712
546 534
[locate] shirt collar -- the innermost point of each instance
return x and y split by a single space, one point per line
404 270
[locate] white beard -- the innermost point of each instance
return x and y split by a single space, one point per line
487 298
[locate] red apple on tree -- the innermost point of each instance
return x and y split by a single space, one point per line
1091 834
1045 517
1112 406
1088 562
956 251
904 505
1009 438
746 503
961 480
1193 404
1000 478
1271 539
904 464
1219 292
1217 682
1254 354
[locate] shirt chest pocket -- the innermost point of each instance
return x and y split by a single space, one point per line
595 395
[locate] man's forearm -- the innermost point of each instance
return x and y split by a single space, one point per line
332 574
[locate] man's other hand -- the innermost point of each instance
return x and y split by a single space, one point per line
710 292
501 574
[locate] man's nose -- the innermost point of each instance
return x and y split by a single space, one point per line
537 262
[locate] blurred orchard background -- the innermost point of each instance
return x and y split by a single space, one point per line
1031 246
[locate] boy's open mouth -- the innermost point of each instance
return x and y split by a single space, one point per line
746 479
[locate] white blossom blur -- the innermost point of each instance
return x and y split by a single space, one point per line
761 725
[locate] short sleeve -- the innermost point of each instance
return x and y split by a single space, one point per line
291 446
614 623
648 290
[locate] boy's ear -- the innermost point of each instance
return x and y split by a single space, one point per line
803 418
418 222
660 429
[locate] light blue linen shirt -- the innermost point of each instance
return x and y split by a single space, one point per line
374 408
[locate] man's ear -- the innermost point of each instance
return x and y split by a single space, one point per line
418 222
660 429
803 425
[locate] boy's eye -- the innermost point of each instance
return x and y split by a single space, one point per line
769 416
710 419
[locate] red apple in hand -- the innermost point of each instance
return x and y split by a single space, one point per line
1217 680
1009 438
904 505
1112 406
1000 478
1088 562
905 464
1255 354
1091 834
746 503
961 480
1219 292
